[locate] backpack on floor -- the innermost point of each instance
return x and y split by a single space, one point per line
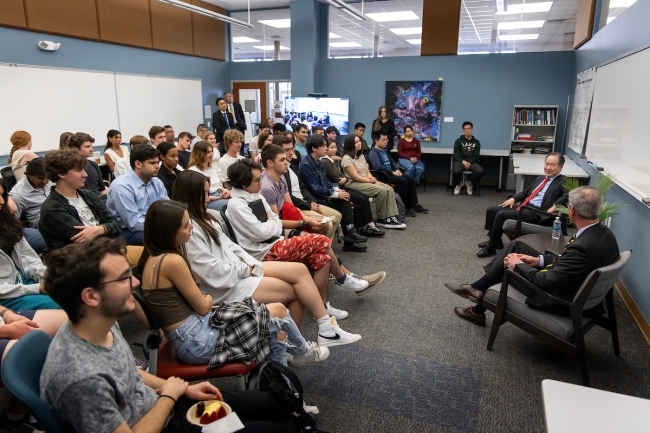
401 208
269 376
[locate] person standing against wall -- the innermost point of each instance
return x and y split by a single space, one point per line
386 125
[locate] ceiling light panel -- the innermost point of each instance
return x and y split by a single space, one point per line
527 8
344 44
414 41
243 40
519 37
334 36
268 47
620 3
407 31
516 25
382 17
278 24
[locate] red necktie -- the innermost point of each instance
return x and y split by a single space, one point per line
534 193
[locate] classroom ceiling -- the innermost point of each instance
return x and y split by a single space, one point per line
486 26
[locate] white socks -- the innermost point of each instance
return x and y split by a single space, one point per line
325 327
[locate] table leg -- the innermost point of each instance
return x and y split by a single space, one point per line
519 183
500 172
451 168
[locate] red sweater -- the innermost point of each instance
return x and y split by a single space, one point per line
408 150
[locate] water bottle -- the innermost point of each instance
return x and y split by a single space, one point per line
557 228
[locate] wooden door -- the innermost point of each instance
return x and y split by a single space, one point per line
258 85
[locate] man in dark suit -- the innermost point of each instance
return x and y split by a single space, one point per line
544 193
222 121
593 246
236 111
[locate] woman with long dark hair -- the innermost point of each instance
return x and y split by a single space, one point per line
386 125
113 151
201 162
186 314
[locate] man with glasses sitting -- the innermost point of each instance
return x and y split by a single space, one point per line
544 193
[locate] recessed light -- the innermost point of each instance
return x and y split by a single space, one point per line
407 31
527 8
243 39
621 3
516 25
382 17
344 44
334 36
278 24
269 47
414 41
518 37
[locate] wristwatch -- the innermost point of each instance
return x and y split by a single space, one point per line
302 224
4 310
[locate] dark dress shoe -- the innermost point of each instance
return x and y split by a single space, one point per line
418 208
498 246
354 247
353 237
466 291
486 252
466 313
410 212
373 232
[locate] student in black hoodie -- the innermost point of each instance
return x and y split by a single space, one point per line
467 150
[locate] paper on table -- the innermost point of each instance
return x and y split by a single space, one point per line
228 424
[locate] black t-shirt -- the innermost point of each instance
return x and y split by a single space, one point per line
168 178
183 158
94 181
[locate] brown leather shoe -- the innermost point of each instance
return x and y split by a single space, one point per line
466 291
466 313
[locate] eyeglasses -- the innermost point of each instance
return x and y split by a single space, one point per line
128 277
258 180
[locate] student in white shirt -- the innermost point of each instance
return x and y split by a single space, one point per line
200 132
212 140
123 165
232 140
201 161
114 149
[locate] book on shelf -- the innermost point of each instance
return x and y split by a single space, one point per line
525 116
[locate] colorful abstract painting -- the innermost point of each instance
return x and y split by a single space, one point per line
415 103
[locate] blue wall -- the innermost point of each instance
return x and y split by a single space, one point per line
19 46
629 31
261 71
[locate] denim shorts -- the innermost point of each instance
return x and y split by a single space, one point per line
194 340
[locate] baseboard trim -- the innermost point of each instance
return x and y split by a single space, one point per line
634 310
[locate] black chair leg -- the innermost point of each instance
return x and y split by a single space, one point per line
496 324
611 315
581 355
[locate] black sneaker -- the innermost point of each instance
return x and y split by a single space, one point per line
22 425
419 209
355 247
390 223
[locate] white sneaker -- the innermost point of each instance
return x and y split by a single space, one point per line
468 184
333 311
313 355
457 190
310 409
352 284
339 338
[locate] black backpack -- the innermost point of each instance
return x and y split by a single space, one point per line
269 376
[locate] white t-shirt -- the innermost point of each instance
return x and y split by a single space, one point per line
195 140
295 185
213 173
86 215
226 161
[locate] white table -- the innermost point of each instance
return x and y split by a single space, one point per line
533 165
572 408
450 151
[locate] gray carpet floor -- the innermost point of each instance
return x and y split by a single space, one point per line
419 368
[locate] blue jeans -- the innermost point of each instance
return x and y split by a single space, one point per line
413 170
195 339
132 238
294 343
35 239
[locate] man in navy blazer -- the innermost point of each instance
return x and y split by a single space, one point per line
222 121
544 193
592 247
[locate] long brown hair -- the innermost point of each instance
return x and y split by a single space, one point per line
19 139
12 228
189 189
261 139
64 139
161 223
350 147
376 125
197 157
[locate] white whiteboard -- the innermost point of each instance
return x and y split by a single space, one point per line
618 126
147 101
47 102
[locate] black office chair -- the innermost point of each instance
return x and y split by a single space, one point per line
8 176
515 228
231 231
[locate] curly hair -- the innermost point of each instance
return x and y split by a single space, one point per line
12 228
19 139
76 140
62 161
231 136
76 266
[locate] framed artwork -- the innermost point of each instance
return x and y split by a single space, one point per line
415 103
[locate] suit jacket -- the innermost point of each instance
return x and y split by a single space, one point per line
594 248
240 119
220 126
555 194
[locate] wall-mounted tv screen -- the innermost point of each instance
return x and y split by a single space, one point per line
317 112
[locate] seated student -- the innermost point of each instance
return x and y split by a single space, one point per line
131 195
278 128
169 133
64 140
404 184
114 149
313 174
83 143
300 195
232 142
90 380
20 153
169 287
156 135
168 161
201 162
300 138
20 267
359 129
317 129
184 140
265 240
27 197
361 201
200 132
70 213
212 141
467 150
253 147
333 134
410 153
359 178
124 164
